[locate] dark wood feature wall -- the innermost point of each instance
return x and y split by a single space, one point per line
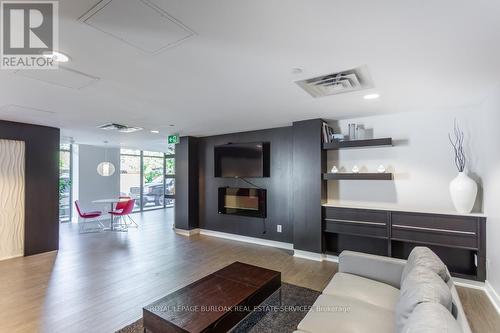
278 186
309 190
460 241
186 183
41 233
296 190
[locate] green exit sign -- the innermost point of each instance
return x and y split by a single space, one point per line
173 139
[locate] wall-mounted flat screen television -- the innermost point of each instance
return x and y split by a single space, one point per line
242 160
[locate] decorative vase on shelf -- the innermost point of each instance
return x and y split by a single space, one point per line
463 189
463 192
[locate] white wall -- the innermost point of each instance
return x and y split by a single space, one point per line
421 160
491 179
92 186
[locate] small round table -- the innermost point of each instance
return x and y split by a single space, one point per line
112 202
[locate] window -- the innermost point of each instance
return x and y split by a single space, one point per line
65 182
148 177
169 166
130 152
130 176
153 190
170 176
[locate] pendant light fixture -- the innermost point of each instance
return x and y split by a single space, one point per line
106 168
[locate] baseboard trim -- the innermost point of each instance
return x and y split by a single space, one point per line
187 233
492 295
331 258
308 255
468 283
247 239
315 256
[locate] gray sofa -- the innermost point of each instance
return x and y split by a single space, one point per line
367 295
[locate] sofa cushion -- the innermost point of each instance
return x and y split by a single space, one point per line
423 256
420 286
363 289
431 318
346 315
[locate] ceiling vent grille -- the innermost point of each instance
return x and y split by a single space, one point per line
337 83
120 128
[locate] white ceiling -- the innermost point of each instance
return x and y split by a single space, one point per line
236 73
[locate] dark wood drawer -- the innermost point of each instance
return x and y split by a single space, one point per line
369 229
434 221
358 215
458 240
435 236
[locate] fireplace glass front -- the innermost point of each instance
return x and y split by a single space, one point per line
242 201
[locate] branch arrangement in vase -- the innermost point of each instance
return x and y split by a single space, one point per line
463 189
457 142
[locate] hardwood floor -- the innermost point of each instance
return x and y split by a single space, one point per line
100 282
481 314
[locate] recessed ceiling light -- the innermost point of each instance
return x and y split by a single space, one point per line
171 125
371 96
155 131
297 70
57 56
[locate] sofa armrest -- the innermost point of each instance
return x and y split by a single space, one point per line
383 269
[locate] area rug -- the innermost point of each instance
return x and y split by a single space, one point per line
273 318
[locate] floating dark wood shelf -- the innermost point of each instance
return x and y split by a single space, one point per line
357 176
357 143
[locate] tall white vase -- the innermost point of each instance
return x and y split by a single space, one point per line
463 192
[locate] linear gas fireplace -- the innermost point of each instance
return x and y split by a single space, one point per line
242 201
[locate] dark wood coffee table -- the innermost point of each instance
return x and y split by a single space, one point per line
216 303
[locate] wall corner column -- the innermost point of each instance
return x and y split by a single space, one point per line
186 184
309 190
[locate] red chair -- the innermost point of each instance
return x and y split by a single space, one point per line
88 217
124 213
122 204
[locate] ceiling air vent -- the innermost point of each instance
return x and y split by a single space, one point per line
120 128
337 83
